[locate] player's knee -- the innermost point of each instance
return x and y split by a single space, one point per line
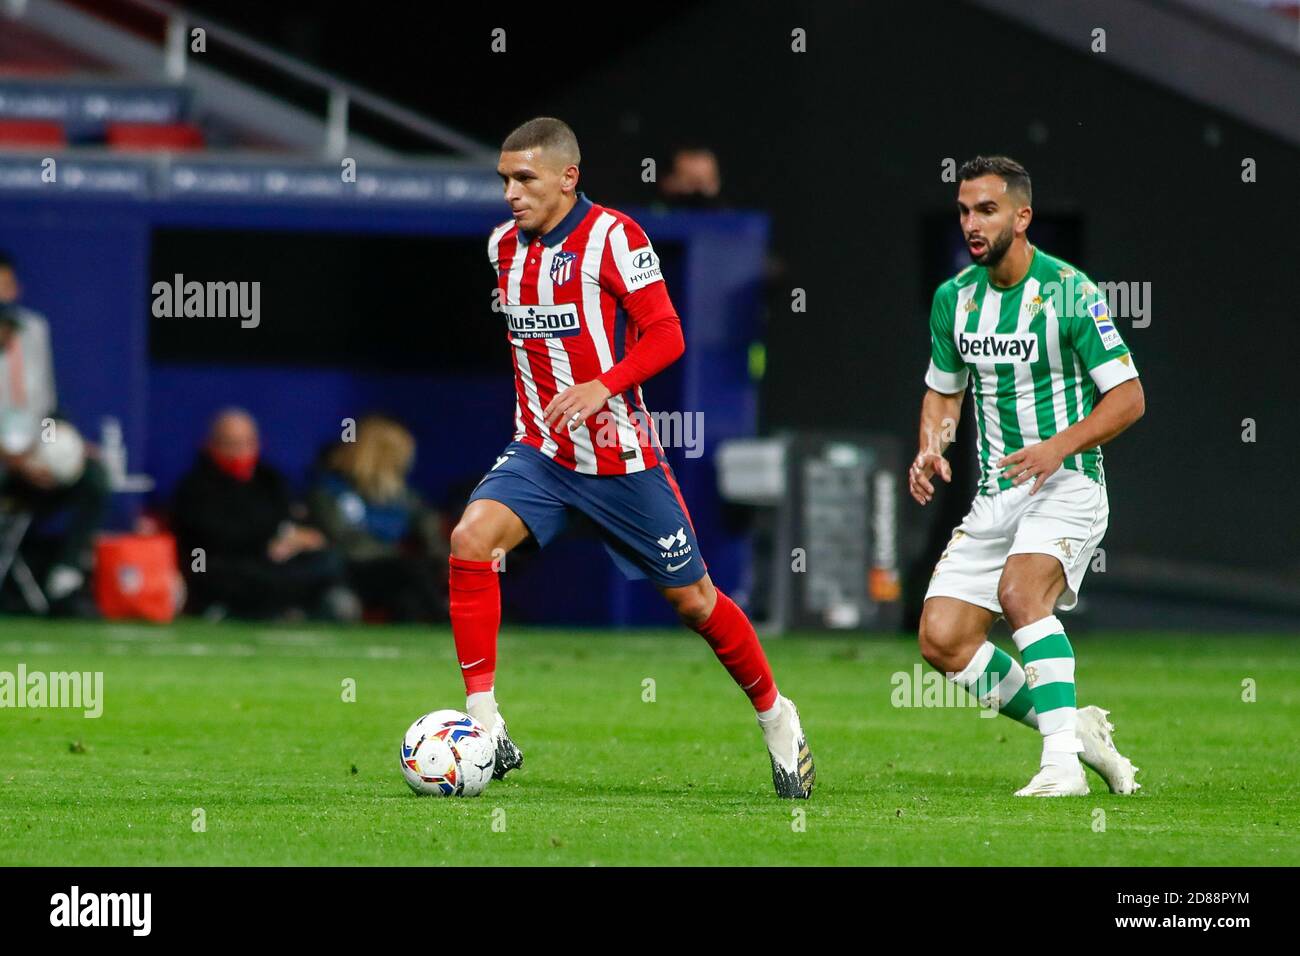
1021 605
694 603
939 642
470 541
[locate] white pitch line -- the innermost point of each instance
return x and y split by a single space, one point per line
125 632
296 638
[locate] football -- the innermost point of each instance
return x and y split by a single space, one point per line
447 754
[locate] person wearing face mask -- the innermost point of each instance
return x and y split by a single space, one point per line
30 424
242 552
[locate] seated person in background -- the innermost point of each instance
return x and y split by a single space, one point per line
694 180
256 561
44 465
393 542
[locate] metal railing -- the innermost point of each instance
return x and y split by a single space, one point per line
341 96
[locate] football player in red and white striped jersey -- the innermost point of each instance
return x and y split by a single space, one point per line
579 302
588 320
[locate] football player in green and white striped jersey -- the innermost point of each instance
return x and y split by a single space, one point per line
1051 380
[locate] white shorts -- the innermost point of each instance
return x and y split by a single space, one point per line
1066 519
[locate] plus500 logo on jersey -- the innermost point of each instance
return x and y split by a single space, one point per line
997 347
543 321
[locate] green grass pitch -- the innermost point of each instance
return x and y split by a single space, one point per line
248 724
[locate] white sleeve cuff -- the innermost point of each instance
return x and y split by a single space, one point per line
1109 374
946 382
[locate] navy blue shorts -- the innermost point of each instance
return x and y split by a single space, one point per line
641 517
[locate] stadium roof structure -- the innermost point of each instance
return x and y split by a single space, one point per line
1245 57
113 94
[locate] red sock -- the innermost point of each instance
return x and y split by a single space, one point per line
475 619
732 638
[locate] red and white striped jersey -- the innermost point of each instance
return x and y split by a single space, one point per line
576 301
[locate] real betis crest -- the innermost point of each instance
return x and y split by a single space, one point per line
1034 306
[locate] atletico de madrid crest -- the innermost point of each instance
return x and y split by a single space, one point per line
562 267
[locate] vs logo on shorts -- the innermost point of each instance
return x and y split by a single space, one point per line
677 538
674 546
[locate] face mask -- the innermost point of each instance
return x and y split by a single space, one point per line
239 467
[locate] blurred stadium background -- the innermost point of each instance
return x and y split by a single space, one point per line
224 165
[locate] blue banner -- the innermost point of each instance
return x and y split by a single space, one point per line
94 104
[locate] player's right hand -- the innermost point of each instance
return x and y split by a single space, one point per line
924 467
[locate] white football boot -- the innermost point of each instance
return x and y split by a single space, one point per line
508 756
1056 781
793 773
1100 754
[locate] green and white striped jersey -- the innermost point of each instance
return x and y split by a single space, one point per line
1039 354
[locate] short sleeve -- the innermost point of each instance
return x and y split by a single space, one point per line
1097 341
630 272
947 372
494 245
635 265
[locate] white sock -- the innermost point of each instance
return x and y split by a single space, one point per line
1048 661
481 705
1057 754
772 713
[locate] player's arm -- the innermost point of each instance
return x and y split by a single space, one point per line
1118 409
659 345
630 271
941 407
1110 365
659 341
940 414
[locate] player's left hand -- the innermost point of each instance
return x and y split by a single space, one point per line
576 404
1038 462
